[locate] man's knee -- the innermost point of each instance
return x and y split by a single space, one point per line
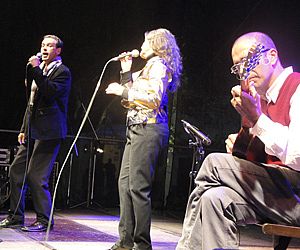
211 195
217 197
215 158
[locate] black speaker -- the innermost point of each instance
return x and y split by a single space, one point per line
5 159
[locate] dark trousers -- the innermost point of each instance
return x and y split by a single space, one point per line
41 157
143 147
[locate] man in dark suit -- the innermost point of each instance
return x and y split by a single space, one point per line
44 127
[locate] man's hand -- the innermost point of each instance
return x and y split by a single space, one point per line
34 61
229 142
21 138
247 104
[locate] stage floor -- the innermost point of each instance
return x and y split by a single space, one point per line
91 229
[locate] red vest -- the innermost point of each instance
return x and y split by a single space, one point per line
252 148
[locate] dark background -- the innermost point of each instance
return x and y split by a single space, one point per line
94 31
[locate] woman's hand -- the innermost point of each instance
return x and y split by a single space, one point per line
126 62
115 89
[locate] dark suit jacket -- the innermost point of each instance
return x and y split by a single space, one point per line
48 115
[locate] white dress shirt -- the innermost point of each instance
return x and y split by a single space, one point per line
281 141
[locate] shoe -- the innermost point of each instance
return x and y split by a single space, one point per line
36 227
117 247
11 222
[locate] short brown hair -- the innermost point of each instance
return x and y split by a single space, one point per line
59 42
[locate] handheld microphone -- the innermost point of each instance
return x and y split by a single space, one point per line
190 129
39 55
133 53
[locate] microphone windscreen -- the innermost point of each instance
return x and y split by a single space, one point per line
39 55
135 53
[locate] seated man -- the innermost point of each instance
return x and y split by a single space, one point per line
258 180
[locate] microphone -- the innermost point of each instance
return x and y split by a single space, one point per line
133 53
190 129
39 55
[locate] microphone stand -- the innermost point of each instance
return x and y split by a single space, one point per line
196 143
92 167
74 141
198 155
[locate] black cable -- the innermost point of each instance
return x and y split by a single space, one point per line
28 116
26 82
27 161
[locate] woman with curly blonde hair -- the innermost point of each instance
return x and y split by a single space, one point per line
145 95
163 43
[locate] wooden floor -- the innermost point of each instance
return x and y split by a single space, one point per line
91 229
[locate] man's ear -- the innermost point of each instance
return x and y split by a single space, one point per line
273 56
58 51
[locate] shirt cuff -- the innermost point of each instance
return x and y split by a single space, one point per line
125 77
259 129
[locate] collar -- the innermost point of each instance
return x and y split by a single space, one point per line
152 59
55 63
273 91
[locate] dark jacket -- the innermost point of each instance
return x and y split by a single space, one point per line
48 115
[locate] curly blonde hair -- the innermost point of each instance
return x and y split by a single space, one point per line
164 44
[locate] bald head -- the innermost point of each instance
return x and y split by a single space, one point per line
243 44
258 38
268 68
